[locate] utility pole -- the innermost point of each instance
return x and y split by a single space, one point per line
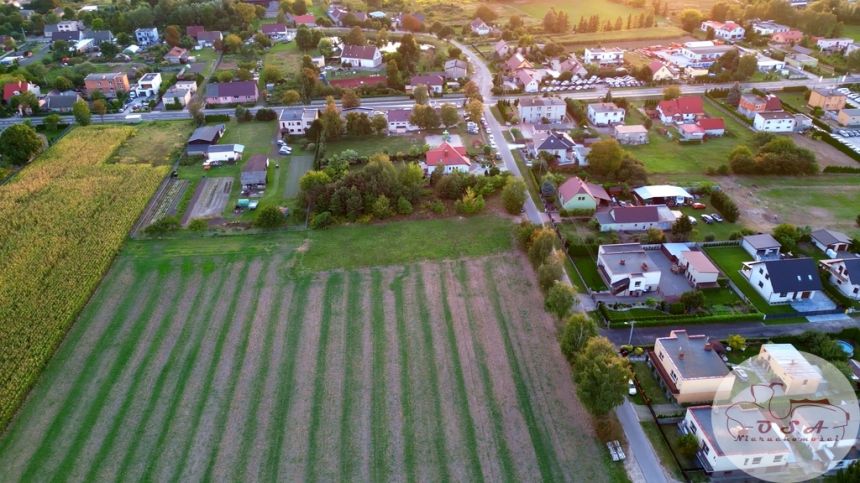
632 324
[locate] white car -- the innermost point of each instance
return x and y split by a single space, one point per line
631 387
285 150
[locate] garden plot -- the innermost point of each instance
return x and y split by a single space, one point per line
210 199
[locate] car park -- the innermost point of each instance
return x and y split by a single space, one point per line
717 217
707 219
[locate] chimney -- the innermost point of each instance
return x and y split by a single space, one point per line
708 346
644 266
621 262
681 355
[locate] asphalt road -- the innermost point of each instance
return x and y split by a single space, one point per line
638 445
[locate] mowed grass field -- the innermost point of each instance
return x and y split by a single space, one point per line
299 356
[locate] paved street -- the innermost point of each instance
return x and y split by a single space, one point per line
639 447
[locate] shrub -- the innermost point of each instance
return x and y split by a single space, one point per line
198 224
163 226
217 118
404 207
549 272
269 217
725 205
381 207
523 233
321 220
560 299
266 115
677 308
710 237
514 195
437 207
470 204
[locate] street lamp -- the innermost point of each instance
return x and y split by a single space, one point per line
632 324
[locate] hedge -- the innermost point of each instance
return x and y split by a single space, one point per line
829 139
841 169
687 319
725 205
217 118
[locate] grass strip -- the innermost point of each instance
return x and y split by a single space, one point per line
333 289
354 348
504 453
408 430
549 467
380 463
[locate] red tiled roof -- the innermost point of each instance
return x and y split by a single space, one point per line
682 105
353 82
10 89
576 185
429 80
773 104
711 123
307 19
655 66
447 155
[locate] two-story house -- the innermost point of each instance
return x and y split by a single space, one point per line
783 281
146 36
828 99
844 274
603 56
148 85
729 30
774 121
605 114
109 84
295 121
687 367
577 194
685 109
361 56
751 104
627 269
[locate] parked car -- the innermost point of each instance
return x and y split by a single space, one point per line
707 219
285 150
693 220
631 387
698 206
717 217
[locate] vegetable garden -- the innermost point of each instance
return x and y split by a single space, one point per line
64 219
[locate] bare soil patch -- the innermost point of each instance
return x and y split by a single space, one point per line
209 200
825 154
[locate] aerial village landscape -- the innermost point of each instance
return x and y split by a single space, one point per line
394 240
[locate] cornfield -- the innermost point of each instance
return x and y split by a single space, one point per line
64 219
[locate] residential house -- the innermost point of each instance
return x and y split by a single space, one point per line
569 64
636 218
788 366
361 56
833 45
698 269
802 122
209 39
768 28
435 83
275 31
337 14
826 98
848 117
801 61
146 36
502 49
687 367
254 173
61 102
605 114
177 96
634 134
844 275
789 37
237 92
517 62
767 64
176 55
456 69
308 20
400 121
577 194
661 72
729 30
627 269
765 455
99 36
712 126
537 109
750 104
774 121
702 54
528 80
691 132
203 137
449 157
603 56
783 281
194 30
12 89
62 26
148 85
684 109
295 121
825 240
218 154
559 146
109 84
662 194
761 247
479 27
70 36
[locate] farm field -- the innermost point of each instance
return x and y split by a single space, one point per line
154 143
665 32
578 8
267 358
66 216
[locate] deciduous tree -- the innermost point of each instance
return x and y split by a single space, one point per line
20 144
449 115
578 329
560 299
82 114
350 99
601 376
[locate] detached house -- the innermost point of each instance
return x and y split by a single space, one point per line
176 55
635 134
687 367
254 173
209 39
826 240
146 36
148 85
12 89
528 80
761 247
361 56
827 99
203 137
750 104
238 92
61 102
479 27
109 84
218 154
636 218
661 72
559 146
517 62
275 31
455 69
774 121
400 121
502 49
844 275
833 44
783 281
601 56
769 27
435 83
535 109
450 158
576 194
724 30
308 20
627 269
789 37
295 121
605 114
681 110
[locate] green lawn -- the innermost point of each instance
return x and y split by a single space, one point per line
720 231
720 300
365 146
852 31
286 56
662 155
664 32
587 266
729 260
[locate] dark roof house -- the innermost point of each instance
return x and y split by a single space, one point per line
793 275
207 134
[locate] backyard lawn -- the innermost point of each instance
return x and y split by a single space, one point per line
729 260
155 143
649 384
286 57
663 452
588 269
720 231
365 146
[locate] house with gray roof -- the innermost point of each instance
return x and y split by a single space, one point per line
254 173
455 68
635 218
237 92
627 269
825 239
560 146
61 102
844 275
761 247
784 281
688 367
295 121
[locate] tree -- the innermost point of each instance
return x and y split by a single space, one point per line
424 117
332 124
305 39
654 235
421 94
787 235
550 271
172 35
100 108
514 195
311 185
578 329
62 83
601 376
269 217
109 50
272 74
690 19
307 81
195 107
737 342
449 115
299 7
411 23
688 444
325 47
20 144
560 299
692 300
355 37
485 13
379 124
262 40
393 78
358 124
682 227
747 66
471 90
52 121
409 52
671 92
232 43
541 244
349 99
475 109
605 157
81 111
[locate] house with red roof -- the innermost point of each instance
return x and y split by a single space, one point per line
724 30
307 20
577 194
681 110
450 158
691 132
751 104
435 83
790 37
661 72
12 89
712 126
194 30
275 31
363 56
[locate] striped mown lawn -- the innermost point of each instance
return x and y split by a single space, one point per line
246 361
